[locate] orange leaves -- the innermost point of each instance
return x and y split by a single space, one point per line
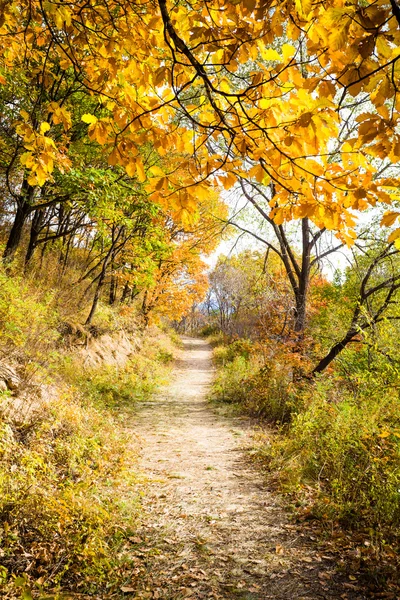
395 237
228 180
140 170
259 174
136 168
60 115
303 7
100 130
41 153
389 218
269 108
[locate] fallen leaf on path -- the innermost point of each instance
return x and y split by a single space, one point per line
306 559
324 575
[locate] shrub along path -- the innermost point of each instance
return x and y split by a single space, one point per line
211 529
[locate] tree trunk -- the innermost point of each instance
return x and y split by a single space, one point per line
23 210
66 255
134 292
96 298
334 352
125 293
102 276
113 290
300 313
34 235
113 281
301 292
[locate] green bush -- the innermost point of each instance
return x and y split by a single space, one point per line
260 385
209 330
67 474
347 448
67 465
228 385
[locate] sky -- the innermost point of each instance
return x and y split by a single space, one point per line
238 242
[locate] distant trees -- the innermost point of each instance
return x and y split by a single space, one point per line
299 251
372 288
251 295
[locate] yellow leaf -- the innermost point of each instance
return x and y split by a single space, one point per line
339 36
202 192
130 168
270 54
156 171
288 51
32 179
141 175
89 118
229 180
103 51
303 7
44 127
384 434
113 158
27 159
279 216
161 183
99 131
41 176
384 48
47 162
161 76
24 114
264 103
258 173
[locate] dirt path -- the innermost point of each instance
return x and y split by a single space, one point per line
211 529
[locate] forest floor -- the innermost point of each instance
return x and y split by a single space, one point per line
210 526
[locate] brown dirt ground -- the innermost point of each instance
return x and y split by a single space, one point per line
211 528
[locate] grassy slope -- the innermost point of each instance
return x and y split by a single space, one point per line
68 499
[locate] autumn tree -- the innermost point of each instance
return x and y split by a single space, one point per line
372 296
250 296
257 88
179 279
301 251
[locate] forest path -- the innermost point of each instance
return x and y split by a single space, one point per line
210 528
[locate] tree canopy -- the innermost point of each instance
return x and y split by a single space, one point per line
301 95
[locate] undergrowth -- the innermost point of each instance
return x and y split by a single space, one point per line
255 379
335 443
68 493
